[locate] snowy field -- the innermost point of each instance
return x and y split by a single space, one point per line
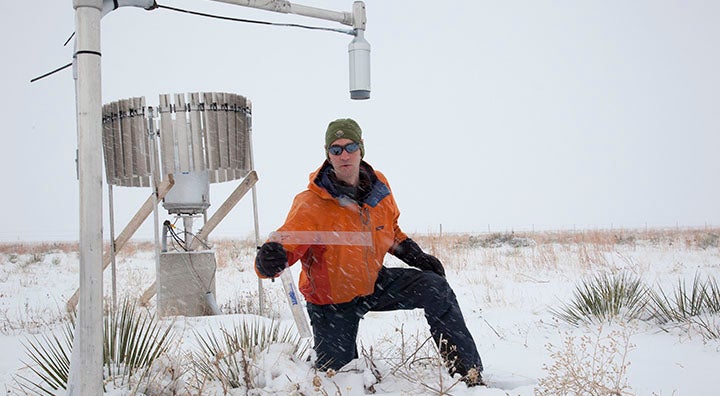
506 285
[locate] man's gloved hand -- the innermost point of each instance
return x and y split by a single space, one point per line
410 253
271 259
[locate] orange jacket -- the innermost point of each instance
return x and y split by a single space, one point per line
335 273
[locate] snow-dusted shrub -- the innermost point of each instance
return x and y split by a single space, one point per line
709 240
413 359
496 240
231 356
591 365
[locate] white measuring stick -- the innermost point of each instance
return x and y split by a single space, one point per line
294 300
311 238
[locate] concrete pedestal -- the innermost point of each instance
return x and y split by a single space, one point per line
183 280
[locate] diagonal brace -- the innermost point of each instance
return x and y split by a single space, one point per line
129 230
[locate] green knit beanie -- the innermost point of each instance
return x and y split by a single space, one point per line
344 128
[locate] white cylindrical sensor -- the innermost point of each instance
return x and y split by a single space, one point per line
359 51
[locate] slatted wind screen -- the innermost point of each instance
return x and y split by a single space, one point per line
206 131
198 131
126 144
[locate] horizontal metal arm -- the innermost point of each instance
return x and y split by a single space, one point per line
286 7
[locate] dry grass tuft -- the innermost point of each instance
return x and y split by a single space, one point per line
232 253
37 248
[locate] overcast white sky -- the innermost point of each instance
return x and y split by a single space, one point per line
484 115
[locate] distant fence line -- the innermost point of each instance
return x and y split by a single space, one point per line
574 228
10 238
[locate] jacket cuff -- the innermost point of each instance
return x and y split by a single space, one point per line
408 251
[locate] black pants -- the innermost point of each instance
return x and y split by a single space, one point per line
335 326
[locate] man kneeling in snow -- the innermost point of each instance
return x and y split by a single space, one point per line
343 282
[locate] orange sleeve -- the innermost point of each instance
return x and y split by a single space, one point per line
399 235
299 218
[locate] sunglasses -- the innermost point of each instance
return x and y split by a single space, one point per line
337 149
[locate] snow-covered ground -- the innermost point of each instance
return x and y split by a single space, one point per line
505 287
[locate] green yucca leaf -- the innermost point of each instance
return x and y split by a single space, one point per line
605 297
227 356
712 296
684 304
52 361
709 325
132 341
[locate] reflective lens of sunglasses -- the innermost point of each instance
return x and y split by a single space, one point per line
337 149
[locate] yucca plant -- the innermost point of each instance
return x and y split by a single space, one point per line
698 305
50 357
132 341
709 326
227 357
604 298
712 296
682 304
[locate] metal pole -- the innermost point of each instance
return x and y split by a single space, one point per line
87 356
113 264
155 172
187 230
261 292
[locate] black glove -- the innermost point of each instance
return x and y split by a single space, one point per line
410 253
271 259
